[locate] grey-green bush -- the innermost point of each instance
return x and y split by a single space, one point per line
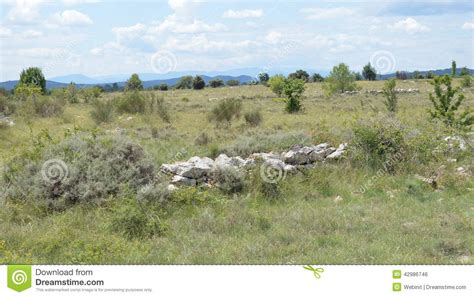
229 179
253 118
226 110
82 168
103 111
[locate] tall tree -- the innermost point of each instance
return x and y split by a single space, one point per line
33 77
453 68
134 83
369 72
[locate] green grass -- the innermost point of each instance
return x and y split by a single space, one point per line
398 220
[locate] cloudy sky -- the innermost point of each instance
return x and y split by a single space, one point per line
101 37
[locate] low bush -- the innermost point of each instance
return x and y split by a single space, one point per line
380 142
82 168
253 118
131 102
229 179
43 106
276 84
202 139
226 111
103 111
7 105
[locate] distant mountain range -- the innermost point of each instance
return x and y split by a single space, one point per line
244 76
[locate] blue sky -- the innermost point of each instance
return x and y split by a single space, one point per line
97 38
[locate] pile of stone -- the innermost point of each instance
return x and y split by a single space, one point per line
4 120
398 91
199 170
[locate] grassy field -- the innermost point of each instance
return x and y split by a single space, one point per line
398 219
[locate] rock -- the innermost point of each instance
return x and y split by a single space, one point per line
196 167
172 188
338 152
6 121
222 161
290 168
265 156
338 199
456 142
170 168
183 181
129 118
462 171
452 160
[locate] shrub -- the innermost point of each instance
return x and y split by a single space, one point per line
202 139
466 81
317 78
82 168
276 84
216 83
23 91
464 71
263 77
444 108
369 72
299 74
253 118
103 111
7 106
90 94
134 83
453 68
293 90
163 87
132 220
226 110
33 77
45 106
185 82
233 83
131 102
198 83
71 93
340 79
390 95
229 179
380 142
159 105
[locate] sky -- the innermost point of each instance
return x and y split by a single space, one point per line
101 37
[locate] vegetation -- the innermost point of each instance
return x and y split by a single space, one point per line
293 90
317 77
233 83
216 83
445 105
198 83
453 68
226 110
134 83
247 220
33 77
103 111
277 84
369 72
390 95
299 74
340 80
253 118
263 77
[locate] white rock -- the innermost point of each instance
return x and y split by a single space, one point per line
196 167
456 141
172 188
338 199
181 180
338 153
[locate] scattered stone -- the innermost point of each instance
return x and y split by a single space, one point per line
338 153
6 121
172 188
338 199
183 181
461 171
456 142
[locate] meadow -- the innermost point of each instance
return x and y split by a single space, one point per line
320 215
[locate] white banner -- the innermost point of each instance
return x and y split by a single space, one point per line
236 280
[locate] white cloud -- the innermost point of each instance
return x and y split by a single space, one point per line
126 34
410 25
97 51
42 52
5 32
200 44
25 11
326 13
32 34
70 18
468 26
76 2
175 24
273 37
242 14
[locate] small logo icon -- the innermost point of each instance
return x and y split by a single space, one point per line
397 274
396 287
316 271
19 277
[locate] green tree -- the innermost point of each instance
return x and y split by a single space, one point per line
198 83
233 83
390 95
369 72
33 77
185 82
216 83
293 90
134 83
340 80
317 77
163 87
464 71
263 77
299 74
453 68
445 105
276 84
